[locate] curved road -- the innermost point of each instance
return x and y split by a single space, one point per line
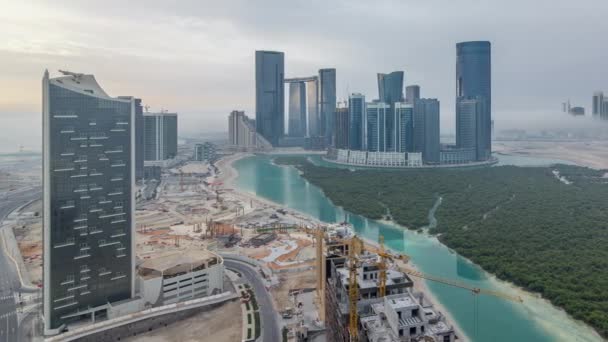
9 278
270 326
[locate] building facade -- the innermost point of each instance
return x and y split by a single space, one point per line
88 198
426 130
297 109
242 134
474 81
390 90
160 136
600 106
205 152
470 127
356 121
327 103
177 276
269 95
412 93
376 113
404 127
341 128
312 107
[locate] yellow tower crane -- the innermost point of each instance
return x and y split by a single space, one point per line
319 236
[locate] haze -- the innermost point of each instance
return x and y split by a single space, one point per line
197 57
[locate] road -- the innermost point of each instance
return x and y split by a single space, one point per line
9 278
270 326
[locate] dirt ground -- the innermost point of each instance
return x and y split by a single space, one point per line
290 281
223 324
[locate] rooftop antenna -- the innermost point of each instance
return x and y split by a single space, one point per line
147 108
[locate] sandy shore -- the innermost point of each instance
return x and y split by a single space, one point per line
228 175
593 154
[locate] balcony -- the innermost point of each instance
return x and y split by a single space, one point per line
82 256
64 169
66 305
110 215
65 244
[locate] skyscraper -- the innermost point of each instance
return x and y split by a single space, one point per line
404 123
474 81
341 128
139 137
598 100
600 106
377 113
327 103
160 136
269 95
470 127
356 121
312 106
426 129
390 87
390 90
412 93
88 198
297 109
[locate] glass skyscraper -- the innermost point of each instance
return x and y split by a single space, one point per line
377 113
474 81
88 198
327 103
269 95
356 122
160 136
390 90
297 109
404 123
426 129
312 106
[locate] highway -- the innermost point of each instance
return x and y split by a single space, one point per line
270 327
9 278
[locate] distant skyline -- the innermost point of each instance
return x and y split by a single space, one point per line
197 58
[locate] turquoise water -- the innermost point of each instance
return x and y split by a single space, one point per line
482 318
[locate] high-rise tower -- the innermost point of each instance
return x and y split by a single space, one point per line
474 81
426 129
390 90
88 198
327 103
356 122
269 95
297 109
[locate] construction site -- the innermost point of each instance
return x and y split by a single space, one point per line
326 283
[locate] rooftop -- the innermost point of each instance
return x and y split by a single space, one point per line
172 262
82 83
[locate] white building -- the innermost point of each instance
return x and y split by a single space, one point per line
242 133
405 317
180 275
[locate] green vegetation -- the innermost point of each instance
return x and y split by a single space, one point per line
254 302
521 224
258 329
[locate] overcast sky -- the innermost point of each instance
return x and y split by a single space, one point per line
197 57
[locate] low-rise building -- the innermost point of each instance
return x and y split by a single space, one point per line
405 317
337 296
176 276
205 152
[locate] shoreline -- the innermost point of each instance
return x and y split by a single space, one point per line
229 175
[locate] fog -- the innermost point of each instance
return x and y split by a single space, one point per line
197 57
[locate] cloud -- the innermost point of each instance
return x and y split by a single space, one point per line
197 57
